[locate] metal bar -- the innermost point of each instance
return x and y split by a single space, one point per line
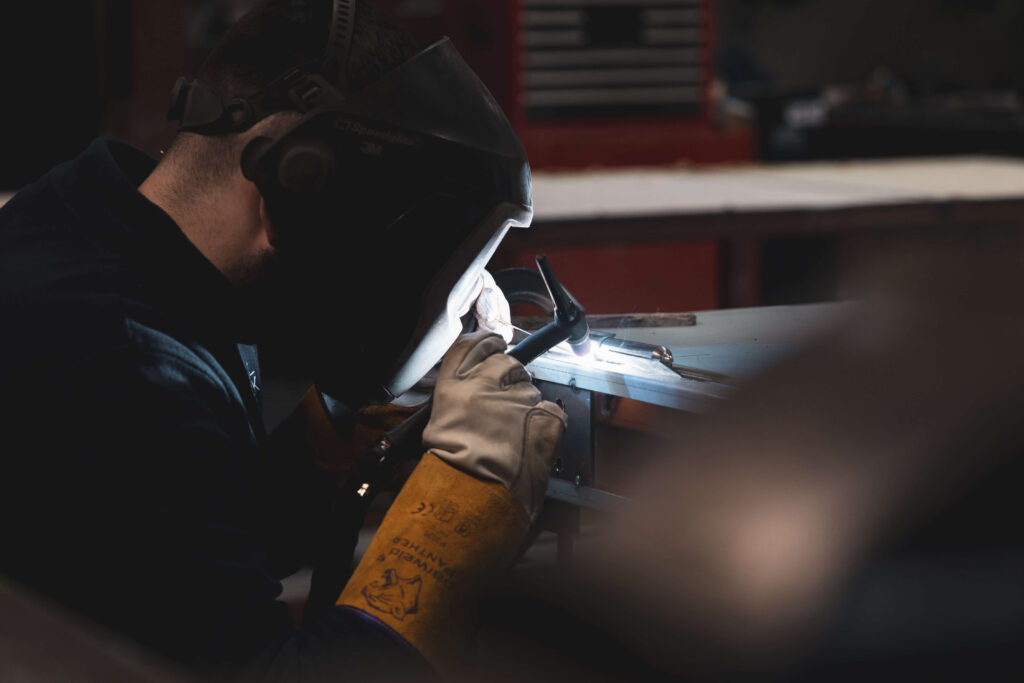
531 4
658 384
554 18
704 375
612 56
569 38
538 98
672 16
585 496
571 77
661 36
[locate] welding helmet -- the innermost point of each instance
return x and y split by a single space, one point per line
388 202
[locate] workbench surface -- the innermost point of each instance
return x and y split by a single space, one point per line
624 193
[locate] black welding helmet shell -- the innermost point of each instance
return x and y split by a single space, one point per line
388 204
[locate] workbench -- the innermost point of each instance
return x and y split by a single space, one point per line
679 239
675 239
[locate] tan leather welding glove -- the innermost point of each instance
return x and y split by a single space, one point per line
490 307
464 512
490 421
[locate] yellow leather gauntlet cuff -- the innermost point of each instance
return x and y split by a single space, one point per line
445 535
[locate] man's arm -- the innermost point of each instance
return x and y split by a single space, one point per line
316 451
150 502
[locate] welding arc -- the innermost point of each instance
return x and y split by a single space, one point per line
526 285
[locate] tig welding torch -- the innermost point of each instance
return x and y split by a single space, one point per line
405 441
570 323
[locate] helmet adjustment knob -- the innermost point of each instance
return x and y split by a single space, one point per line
305 167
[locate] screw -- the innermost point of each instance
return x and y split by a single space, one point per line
384 444
578 481
558 466
572 384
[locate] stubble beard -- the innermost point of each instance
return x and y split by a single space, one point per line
256 275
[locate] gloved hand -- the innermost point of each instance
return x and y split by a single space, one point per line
489 420
492 313
490 308
464 512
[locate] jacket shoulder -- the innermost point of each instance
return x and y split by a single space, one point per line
167 350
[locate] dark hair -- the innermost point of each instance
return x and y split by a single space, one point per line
277 35
270 39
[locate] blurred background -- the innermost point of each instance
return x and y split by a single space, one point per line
694 155
674 85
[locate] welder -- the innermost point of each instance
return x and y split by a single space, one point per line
340 191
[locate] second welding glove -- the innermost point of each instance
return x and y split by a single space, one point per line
466 509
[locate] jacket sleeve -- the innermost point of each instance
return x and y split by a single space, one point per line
318 456
310 519
154 502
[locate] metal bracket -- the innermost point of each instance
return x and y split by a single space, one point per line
574 461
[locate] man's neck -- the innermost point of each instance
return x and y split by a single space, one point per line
222 222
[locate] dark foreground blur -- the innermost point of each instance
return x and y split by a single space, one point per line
853 515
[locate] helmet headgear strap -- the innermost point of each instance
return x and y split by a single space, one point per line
201 110
339 43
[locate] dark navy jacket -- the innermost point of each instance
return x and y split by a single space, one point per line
138 486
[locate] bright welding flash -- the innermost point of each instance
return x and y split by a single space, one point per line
589 358
584 349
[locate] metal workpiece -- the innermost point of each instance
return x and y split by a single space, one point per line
640 365
643 379
710 360
618 368
605 345
610 348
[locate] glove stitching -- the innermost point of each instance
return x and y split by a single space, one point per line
464 373
524 454
506 383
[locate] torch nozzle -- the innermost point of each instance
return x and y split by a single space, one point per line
582 348
568 311
570 323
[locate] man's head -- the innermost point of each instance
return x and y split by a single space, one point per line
274 37
199 178
380 180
